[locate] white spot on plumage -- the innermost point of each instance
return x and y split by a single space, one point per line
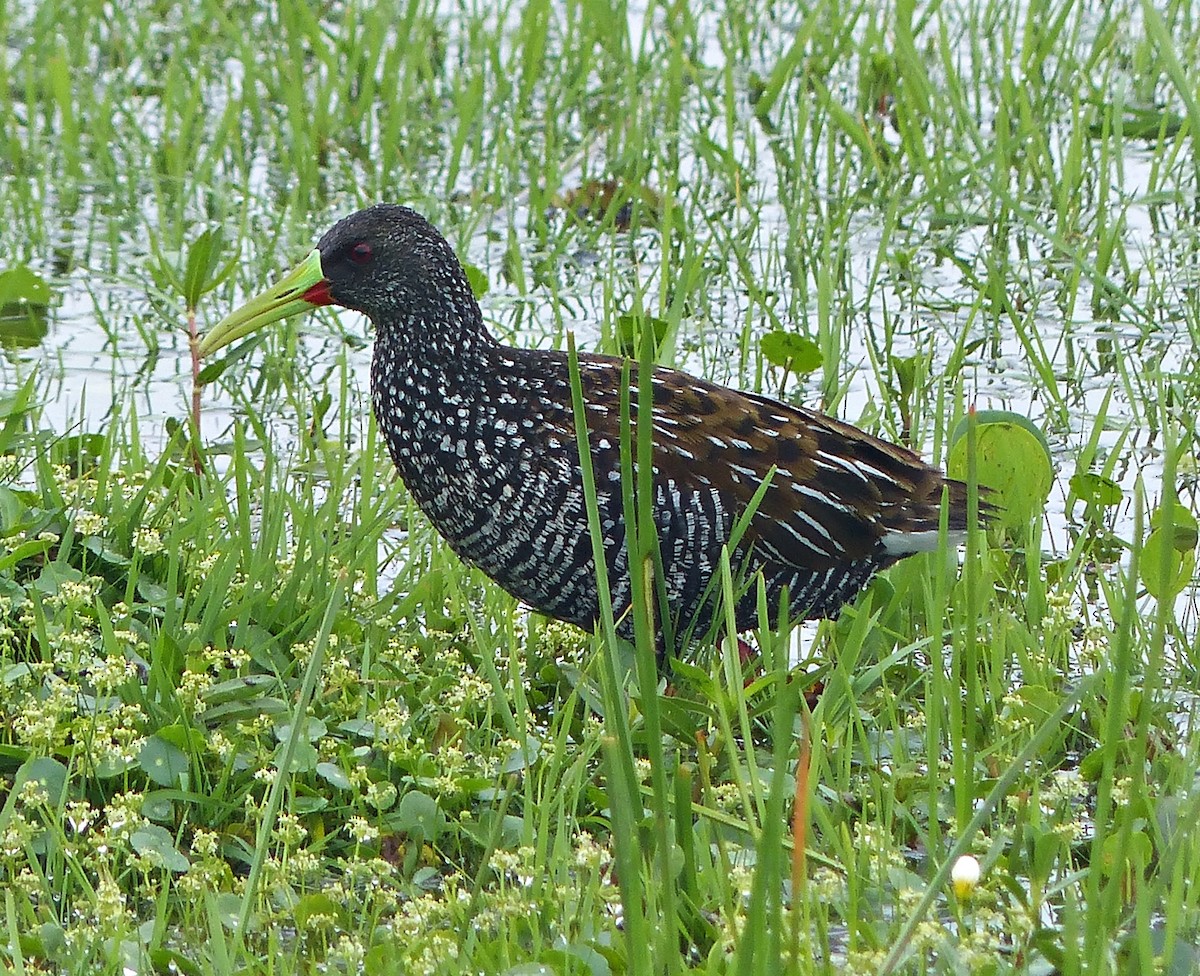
897 542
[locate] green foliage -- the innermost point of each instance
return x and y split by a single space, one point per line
791 351
1168 561
1012 459
21 285
255 718
24 300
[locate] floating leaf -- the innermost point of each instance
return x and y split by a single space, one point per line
304 756
156 842
53 575
23 326
312 730
333 775
14 510
1131 852
1095 489
315 906
102 549
79 452
1030 703
49 774
24 299
1184 530
304 806
983 417
23 286
629 332
162 762
522 757
418 813
152 593
169 961
158 805
181 736
1165 573
49 941
792 351
1012 459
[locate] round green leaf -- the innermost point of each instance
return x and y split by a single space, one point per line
1096 489
983 417
791 350
317 905
1184 531
1130 852
418 813
1180 565
333 775
312 730
22 285
23 326
158 843
1013 462
631 328
158 805
162 762
49 773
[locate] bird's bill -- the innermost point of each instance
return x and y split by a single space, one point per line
301 290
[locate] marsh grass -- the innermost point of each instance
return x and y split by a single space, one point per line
256 717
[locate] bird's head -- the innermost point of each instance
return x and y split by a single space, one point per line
386 261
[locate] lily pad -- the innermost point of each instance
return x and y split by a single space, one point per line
1095 489
49 773
162 762
1185 532
792 351
157 843
24 301
418 815
23 286
1165 573
1012 460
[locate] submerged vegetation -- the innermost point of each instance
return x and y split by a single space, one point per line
256 717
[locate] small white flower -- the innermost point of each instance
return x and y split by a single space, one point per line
89 523
964 876
148 542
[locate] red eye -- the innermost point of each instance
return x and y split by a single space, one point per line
361 253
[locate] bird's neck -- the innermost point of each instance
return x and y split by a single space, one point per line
428 374
428 388
450 349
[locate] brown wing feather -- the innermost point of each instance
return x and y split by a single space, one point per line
837 491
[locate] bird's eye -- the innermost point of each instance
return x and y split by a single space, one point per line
361 253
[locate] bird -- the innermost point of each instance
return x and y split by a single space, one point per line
483 436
